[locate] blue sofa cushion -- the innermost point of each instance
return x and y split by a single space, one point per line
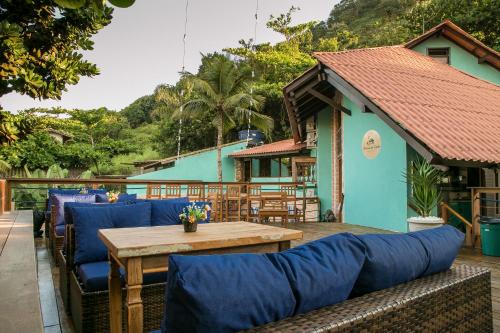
100 194
224 293
166 212
59 200
88 220
59 191
124 197
391 259
322 272
442 246
94 276
68 217
60 230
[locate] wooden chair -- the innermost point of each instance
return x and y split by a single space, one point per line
291 201
195 192
172 191
153 191
233 197
274 204
214 196
253 195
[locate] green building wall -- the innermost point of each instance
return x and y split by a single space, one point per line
374 189
461 59
323 154
202 166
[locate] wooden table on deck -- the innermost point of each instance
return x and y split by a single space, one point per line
144 250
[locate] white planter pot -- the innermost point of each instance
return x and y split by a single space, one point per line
422 223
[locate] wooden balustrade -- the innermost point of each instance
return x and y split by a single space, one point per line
469 233
479 210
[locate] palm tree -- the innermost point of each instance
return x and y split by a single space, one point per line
222 88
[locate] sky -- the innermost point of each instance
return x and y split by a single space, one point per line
142 47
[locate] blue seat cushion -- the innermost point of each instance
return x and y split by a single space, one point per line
442 246
100 194
59 200
88 220
322 272
391 259
224 293
60 230
94 276
166 212
124 197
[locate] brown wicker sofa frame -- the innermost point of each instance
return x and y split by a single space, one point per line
90 310
458 300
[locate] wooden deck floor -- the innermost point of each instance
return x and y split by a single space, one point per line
314 231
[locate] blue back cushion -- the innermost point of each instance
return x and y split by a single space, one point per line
322 272
166 212
68 217
124 197
224 293
88 220
59 191
100 194
442 246
390 260
60 199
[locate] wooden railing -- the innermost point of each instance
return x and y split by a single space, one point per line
447 211
478 194
8 185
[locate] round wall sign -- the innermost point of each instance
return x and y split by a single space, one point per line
371 144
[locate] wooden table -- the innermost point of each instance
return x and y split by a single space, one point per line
145 250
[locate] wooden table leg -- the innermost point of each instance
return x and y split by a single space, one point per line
285 245
134 300
115 297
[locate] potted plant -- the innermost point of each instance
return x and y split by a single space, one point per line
193 214
423 179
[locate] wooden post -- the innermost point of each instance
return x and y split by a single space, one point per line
7 196
444 212
304 201
135 311
2 196
476 213
115 296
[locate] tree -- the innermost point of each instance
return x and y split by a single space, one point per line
222 88
140 111
40 44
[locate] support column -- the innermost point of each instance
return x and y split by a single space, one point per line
337 137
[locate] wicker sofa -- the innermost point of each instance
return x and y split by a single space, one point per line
90 310
458 300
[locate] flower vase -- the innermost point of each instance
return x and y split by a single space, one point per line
190 227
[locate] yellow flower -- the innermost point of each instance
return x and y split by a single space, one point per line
192 219
208 208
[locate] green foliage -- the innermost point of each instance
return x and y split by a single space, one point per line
40 45
122 164
423 179
140 111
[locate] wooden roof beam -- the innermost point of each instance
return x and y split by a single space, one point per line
329 101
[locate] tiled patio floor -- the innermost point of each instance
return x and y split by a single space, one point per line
317 230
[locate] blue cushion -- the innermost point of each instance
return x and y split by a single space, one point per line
100 194
60 230
60 191
124 197
224 293
68 217
166 212
88 220
94 276
322 272
442 246
391 259
59 200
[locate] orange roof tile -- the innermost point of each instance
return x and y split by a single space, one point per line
455 115
276 148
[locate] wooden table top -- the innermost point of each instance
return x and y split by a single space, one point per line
146 241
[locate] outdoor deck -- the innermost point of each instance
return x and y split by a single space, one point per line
54 319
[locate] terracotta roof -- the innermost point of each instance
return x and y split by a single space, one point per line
454 33
275 148
455 115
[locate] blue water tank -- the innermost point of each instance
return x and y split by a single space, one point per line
255 137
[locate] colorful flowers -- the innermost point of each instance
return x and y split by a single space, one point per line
113 196
194 213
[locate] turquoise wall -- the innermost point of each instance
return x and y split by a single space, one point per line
374 189
461 59
202 166
323 155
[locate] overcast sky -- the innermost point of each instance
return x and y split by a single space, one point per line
142 47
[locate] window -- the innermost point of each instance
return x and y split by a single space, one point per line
274 167
440 54
265 167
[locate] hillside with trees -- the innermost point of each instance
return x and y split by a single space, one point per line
108 141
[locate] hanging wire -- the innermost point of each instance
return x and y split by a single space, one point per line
181 95
254 49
